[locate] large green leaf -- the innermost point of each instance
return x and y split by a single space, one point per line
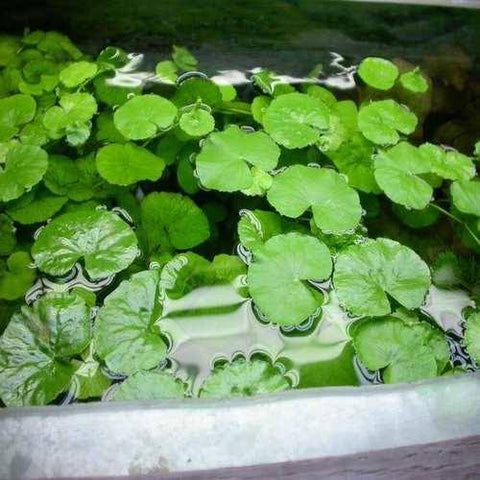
243 378
126 329
36 347
407 351
397 173
127 163
367 274
143 116
154 385
225 159
102 239
278 277
24 167
296 120
381 121
173 221
335 206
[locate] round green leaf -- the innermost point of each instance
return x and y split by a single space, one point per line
466 196
365 275
144 116
127 163
224 161
448 164
296 120
381 121
184 59
378 73
154 385
77 73
414 81
194 90
126 331
416 218
472 336
396 172
34 349
166 71
407 352
24 167
104 241
15 110
35 207
336 207
277 279
197 122
171 220
243 378
16 275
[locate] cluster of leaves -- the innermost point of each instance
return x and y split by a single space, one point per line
142 184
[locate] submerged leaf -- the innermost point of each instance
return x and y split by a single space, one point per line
127 334
102 239
278 277
153 385
365 275
335 206
224 161
7 235
16 275
243 378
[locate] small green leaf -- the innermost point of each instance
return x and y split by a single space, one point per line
335 206
16 275
36 346
414 81
448 164
407 352
35 207
381 121
355 159
109 92
259 107
173 221
7 235
126 329
24 167
154 385
184 59
166 71
15 111
224 161
397 174
195 90
197 122
277 279
104 241
77 134
127 163
466 196
378 73
365 274
243 378
77 73
472 336
416 218
78 179
296 120
144 116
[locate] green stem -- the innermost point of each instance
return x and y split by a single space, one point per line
458 220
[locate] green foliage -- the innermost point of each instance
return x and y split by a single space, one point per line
139 186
